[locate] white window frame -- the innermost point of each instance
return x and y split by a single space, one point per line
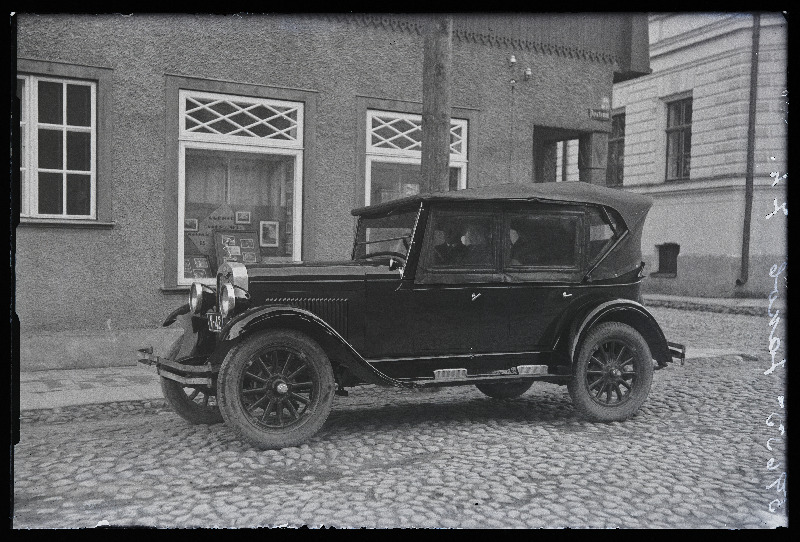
458 159
222 142
29 161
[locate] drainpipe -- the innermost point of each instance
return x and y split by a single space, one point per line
751 137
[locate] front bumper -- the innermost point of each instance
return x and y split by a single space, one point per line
172 351
189 371
677 351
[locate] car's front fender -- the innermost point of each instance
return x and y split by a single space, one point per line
288 317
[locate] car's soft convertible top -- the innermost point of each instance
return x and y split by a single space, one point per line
624 257
632 207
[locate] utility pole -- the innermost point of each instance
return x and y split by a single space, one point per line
436 102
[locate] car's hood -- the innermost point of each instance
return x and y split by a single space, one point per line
336 270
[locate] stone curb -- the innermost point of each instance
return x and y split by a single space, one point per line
703 307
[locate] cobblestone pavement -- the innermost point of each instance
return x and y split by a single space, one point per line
695 455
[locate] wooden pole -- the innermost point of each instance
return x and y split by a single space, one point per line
436 103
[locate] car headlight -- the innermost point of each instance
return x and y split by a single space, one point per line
196 297
227 299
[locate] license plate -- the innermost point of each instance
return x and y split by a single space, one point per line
215 321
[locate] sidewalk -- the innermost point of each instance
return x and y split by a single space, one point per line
61 388
749 306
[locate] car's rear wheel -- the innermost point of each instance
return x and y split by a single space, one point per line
505 390
612 374
276 388
195 404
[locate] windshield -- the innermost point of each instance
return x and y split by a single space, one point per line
388 235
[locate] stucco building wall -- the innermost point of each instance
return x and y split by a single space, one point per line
708 57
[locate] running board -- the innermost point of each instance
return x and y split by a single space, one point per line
454 377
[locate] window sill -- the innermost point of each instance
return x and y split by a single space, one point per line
58 223
664 275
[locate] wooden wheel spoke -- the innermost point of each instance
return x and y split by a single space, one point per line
264 365
296 371
596 382
292 409
267 410
258 403
286 364
254 390
304 400
601 390
256 377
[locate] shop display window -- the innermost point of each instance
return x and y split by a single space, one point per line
240 172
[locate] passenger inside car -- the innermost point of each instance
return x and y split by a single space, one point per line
452 251
528 247
479 251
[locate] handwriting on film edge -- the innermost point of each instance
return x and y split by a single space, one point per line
774 345
779 484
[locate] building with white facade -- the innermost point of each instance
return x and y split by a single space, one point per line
711 148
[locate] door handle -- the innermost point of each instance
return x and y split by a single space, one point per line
476 296
565 294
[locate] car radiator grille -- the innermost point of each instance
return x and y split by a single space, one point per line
332 310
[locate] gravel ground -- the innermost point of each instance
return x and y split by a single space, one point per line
694 456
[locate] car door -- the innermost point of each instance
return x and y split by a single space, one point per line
452 305
542 264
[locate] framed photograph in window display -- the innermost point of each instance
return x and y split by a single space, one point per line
236 246
269 233
197 267
243 217
190 224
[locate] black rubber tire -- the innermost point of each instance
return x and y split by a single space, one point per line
505 390
312 415
194 410
587 404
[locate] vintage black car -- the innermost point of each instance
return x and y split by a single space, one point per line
496 286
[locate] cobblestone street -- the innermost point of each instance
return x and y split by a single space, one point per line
695 455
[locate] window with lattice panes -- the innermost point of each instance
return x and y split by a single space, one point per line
57 142
394 155
240 169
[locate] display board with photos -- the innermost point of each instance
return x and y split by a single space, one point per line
236 246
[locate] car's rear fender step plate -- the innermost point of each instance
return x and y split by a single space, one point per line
454 377
461 374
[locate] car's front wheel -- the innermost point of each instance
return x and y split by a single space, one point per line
276 388
507 390
612 374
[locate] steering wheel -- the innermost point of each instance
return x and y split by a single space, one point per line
386 253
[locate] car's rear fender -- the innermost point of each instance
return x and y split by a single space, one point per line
625 311
339 350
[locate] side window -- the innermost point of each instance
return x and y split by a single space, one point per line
461 242
540 240
601 232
